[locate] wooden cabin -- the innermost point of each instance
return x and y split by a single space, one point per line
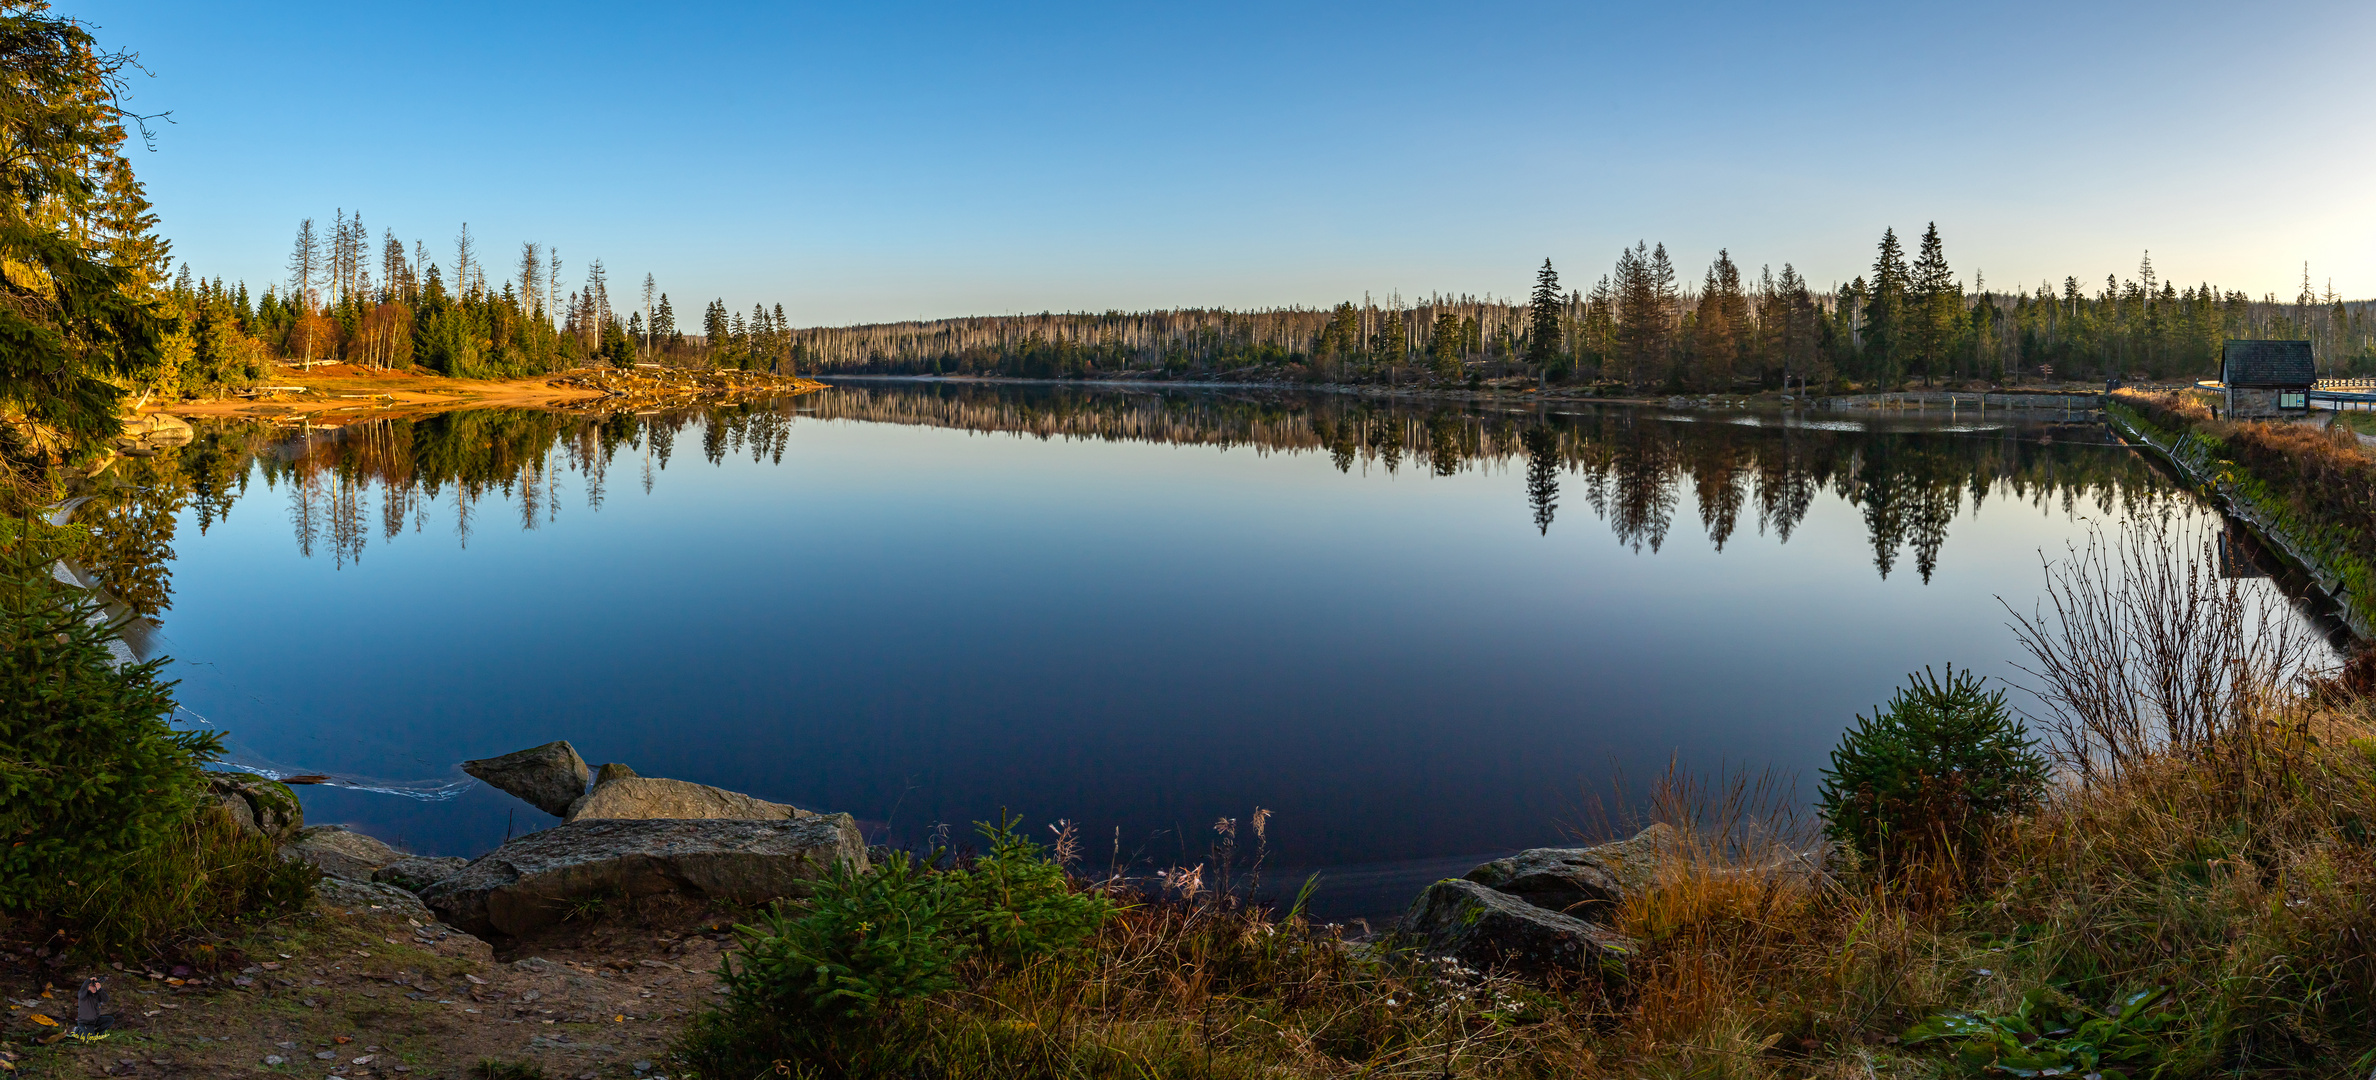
2266 378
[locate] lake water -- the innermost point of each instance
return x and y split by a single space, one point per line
1417 636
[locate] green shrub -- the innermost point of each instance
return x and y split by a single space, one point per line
821 981
1929 774
1017 906
862 940
2042 1038
91 773
103 822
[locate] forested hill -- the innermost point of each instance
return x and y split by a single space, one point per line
1636 325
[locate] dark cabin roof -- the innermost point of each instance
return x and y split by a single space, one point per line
2267 364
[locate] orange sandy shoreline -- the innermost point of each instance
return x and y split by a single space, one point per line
336 394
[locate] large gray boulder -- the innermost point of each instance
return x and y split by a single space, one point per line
154 430
549 777
535 880
646 797
1587 883
1493 931
414 873
340 852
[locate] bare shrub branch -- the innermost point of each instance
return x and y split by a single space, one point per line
2141 647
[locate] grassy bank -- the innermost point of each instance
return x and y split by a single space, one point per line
2194 916
2313 487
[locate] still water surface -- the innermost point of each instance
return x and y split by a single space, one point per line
1418 637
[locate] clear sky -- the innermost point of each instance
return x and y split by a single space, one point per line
884 160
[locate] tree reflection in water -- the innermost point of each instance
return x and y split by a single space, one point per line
1633 466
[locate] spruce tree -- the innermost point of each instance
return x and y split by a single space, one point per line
1884 312
1444 343
77 314
1642 317
1542 320
1934 307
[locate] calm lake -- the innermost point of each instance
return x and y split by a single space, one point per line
1418 636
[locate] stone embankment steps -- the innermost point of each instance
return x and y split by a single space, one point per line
2192 461
2079 404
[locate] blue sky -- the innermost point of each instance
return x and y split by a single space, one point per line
861 162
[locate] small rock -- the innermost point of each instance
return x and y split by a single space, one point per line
326 1055
612 771
340 852
548 777
265 806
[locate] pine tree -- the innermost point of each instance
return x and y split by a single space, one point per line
1443 346
77 321
1543 344
1934 307
305 263
664 328
1884 311
1721 327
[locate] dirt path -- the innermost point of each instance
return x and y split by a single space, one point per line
359 993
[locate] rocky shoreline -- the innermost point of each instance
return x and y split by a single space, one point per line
624 837
583 949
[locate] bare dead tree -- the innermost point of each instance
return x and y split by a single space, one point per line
2140 647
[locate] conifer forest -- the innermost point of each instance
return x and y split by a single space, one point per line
1643 326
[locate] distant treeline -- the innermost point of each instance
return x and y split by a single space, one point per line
1640 326
391 306
1644 328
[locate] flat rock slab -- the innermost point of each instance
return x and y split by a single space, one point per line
645 797
414 873
548 777
355 897
340 852
1493 931
535 880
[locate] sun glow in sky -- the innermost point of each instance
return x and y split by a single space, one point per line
861 162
